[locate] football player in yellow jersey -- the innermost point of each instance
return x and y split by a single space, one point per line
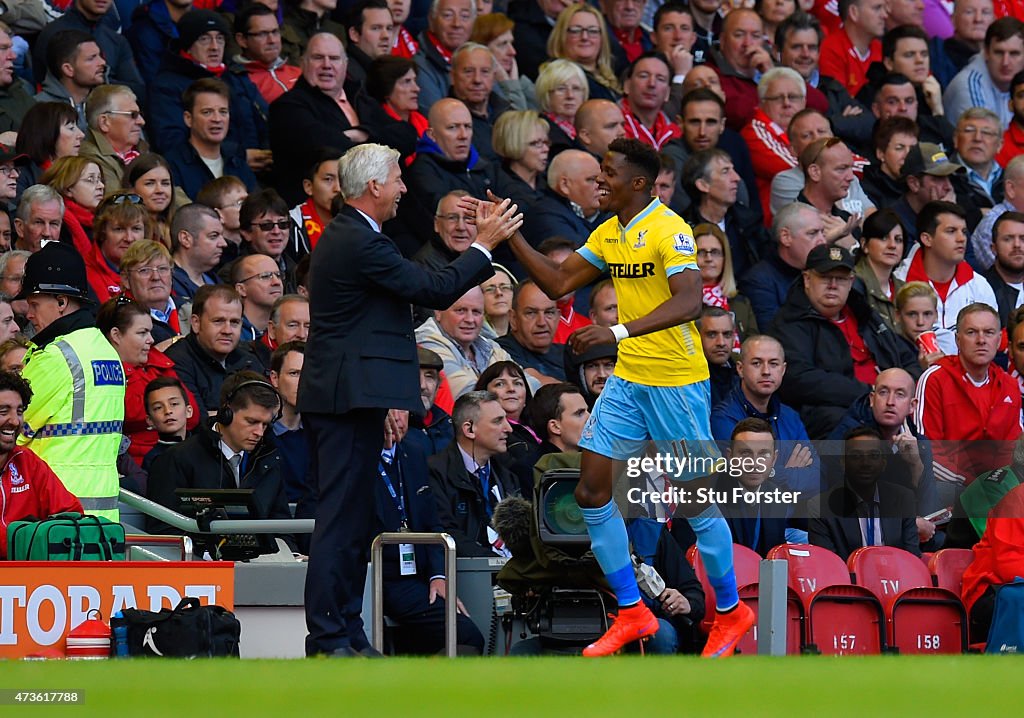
660 388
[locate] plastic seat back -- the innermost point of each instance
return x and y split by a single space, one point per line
947 567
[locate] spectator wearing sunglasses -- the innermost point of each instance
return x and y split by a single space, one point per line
121 220
114 136
208 154
265 228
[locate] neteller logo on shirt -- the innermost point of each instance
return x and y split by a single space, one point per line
631 270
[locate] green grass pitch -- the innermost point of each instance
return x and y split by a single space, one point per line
627 687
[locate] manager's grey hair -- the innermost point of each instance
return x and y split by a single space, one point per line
362 164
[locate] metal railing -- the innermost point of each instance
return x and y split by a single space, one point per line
217 526
450 569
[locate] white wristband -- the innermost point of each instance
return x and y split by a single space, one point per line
679 79
620 332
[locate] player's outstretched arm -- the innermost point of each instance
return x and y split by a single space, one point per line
556 280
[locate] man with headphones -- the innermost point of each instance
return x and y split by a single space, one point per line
73 422
230 454
467 481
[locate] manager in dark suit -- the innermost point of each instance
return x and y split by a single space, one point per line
361 361
863 511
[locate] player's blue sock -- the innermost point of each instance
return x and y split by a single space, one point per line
610 544
714 541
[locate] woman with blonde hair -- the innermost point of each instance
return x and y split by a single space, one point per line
561 89
79 181
714 259
520 139
495 31
580 34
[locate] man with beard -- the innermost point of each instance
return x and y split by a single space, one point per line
28 485
1007 273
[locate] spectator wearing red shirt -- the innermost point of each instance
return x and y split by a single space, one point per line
560 249
28 486
739 62
1013 138
646 91
835 344
847 54
968 406
781 94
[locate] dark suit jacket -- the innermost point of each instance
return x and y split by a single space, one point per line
834 524
197 463
767 522
460 499
361 351
409 470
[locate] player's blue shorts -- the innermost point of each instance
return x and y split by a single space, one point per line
628 416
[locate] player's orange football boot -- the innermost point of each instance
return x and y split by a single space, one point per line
727 631
630 625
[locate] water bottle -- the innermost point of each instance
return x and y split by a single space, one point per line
120 637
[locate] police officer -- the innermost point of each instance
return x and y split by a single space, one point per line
74 419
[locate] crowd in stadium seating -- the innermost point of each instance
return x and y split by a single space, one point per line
851 170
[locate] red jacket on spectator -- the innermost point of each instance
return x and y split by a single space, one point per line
136 426
840 61
956 415
28 487
568 322
741 96
104 279
1013 144
272 81
770 154
999 555
662 133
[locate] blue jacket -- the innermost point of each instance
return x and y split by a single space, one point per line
766 285
860 414
551 216
191 173
166 125
789 430
150 34
121 68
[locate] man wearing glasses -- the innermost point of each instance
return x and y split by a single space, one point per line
978 138
259 37
832 339
265 228
781 94
258 281
146 278
114 134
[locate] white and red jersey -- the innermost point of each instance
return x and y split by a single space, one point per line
966 288
770 154
972 427
662 133
28 487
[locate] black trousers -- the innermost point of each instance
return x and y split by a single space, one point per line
344 449
406 601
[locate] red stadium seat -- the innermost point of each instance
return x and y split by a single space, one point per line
747 564
920 618
947 567
841 619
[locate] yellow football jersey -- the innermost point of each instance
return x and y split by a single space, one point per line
641 257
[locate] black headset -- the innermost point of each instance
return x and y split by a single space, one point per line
225 414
